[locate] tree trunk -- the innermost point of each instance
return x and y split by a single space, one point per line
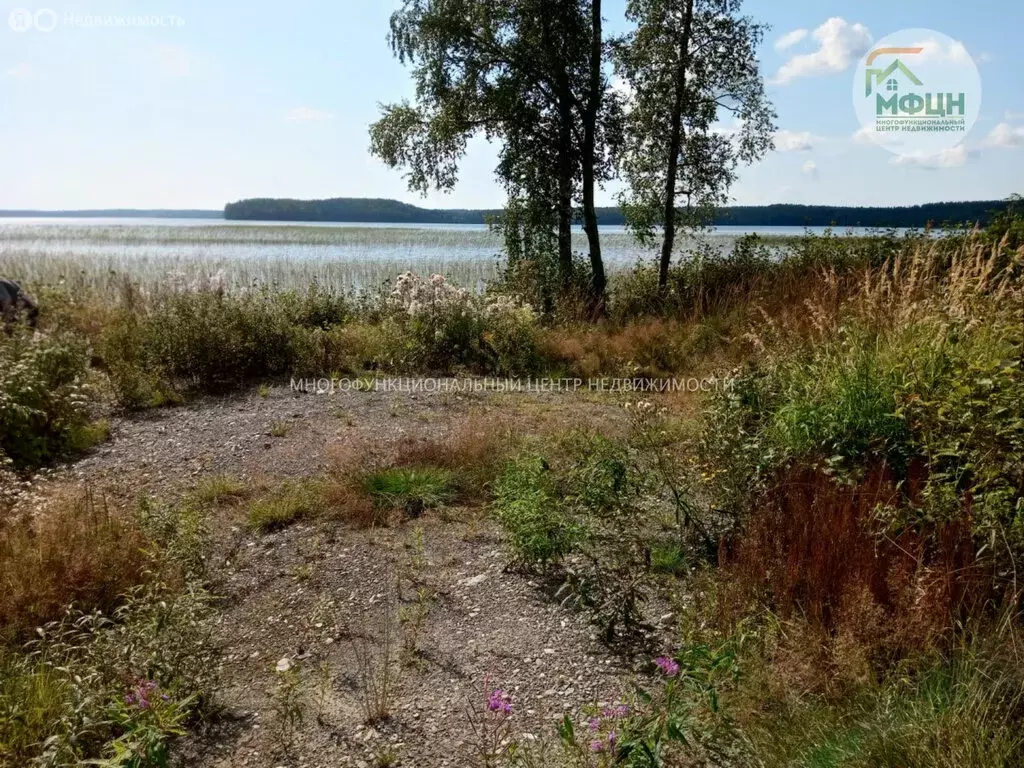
675 145
565 175
593 109
554 46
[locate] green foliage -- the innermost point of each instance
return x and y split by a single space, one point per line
208 341
74 694
287 504
411 487
477 71
589 514
1007 225
43 398
680 59
965 711
526 503
432 325
924 380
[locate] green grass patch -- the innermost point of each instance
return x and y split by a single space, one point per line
427 487
287 504
219 488
669 558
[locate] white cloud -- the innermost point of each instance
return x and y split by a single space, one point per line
870 137
951 157
19 70
790 39
173 60
1005 136
793 141
307 114
936 50
810 168
839 44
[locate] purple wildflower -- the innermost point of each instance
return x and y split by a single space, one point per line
500 702
597 746
139 697
613 739
668 666
594 724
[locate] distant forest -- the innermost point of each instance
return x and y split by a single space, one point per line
367 210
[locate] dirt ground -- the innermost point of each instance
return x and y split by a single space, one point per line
319 596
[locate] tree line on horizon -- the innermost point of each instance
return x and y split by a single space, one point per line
379 211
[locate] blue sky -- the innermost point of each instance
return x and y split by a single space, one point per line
228 100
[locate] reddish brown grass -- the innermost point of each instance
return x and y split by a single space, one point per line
815 545
76 550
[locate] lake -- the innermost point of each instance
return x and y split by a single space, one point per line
341 255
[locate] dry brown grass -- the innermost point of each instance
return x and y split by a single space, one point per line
816 547
649 346
76 550
473 450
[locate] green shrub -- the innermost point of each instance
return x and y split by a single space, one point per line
93 687
43 398
586 516
208 341
539 528
915 387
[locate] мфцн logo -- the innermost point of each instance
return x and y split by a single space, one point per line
917 93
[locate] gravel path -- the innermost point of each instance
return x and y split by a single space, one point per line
318 595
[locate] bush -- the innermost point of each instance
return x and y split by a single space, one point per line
893 433
75 551
43 398
590 516
113 689
526 504
208 341
435 326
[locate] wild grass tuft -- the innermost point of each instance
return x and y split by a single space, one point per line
289 503
405 487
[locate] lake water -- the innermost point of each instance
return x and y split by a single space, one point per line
341 255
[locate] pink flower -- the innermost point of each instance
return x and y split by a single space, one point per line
500 702
668 666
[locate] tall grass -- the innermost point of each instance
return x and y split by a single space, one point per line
879 448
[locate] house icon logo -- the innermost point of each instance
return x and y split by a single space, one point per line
887 76
916 93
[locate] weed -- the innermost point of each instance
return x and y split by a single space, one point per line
413 619
324 684
289 503
411 489
279 429
216 489
375 664
43 398
77 550
288 705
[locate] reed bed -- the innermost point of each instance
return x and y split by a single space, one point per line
347 259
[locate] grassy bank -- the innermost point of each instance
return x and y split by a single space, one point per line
815 565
